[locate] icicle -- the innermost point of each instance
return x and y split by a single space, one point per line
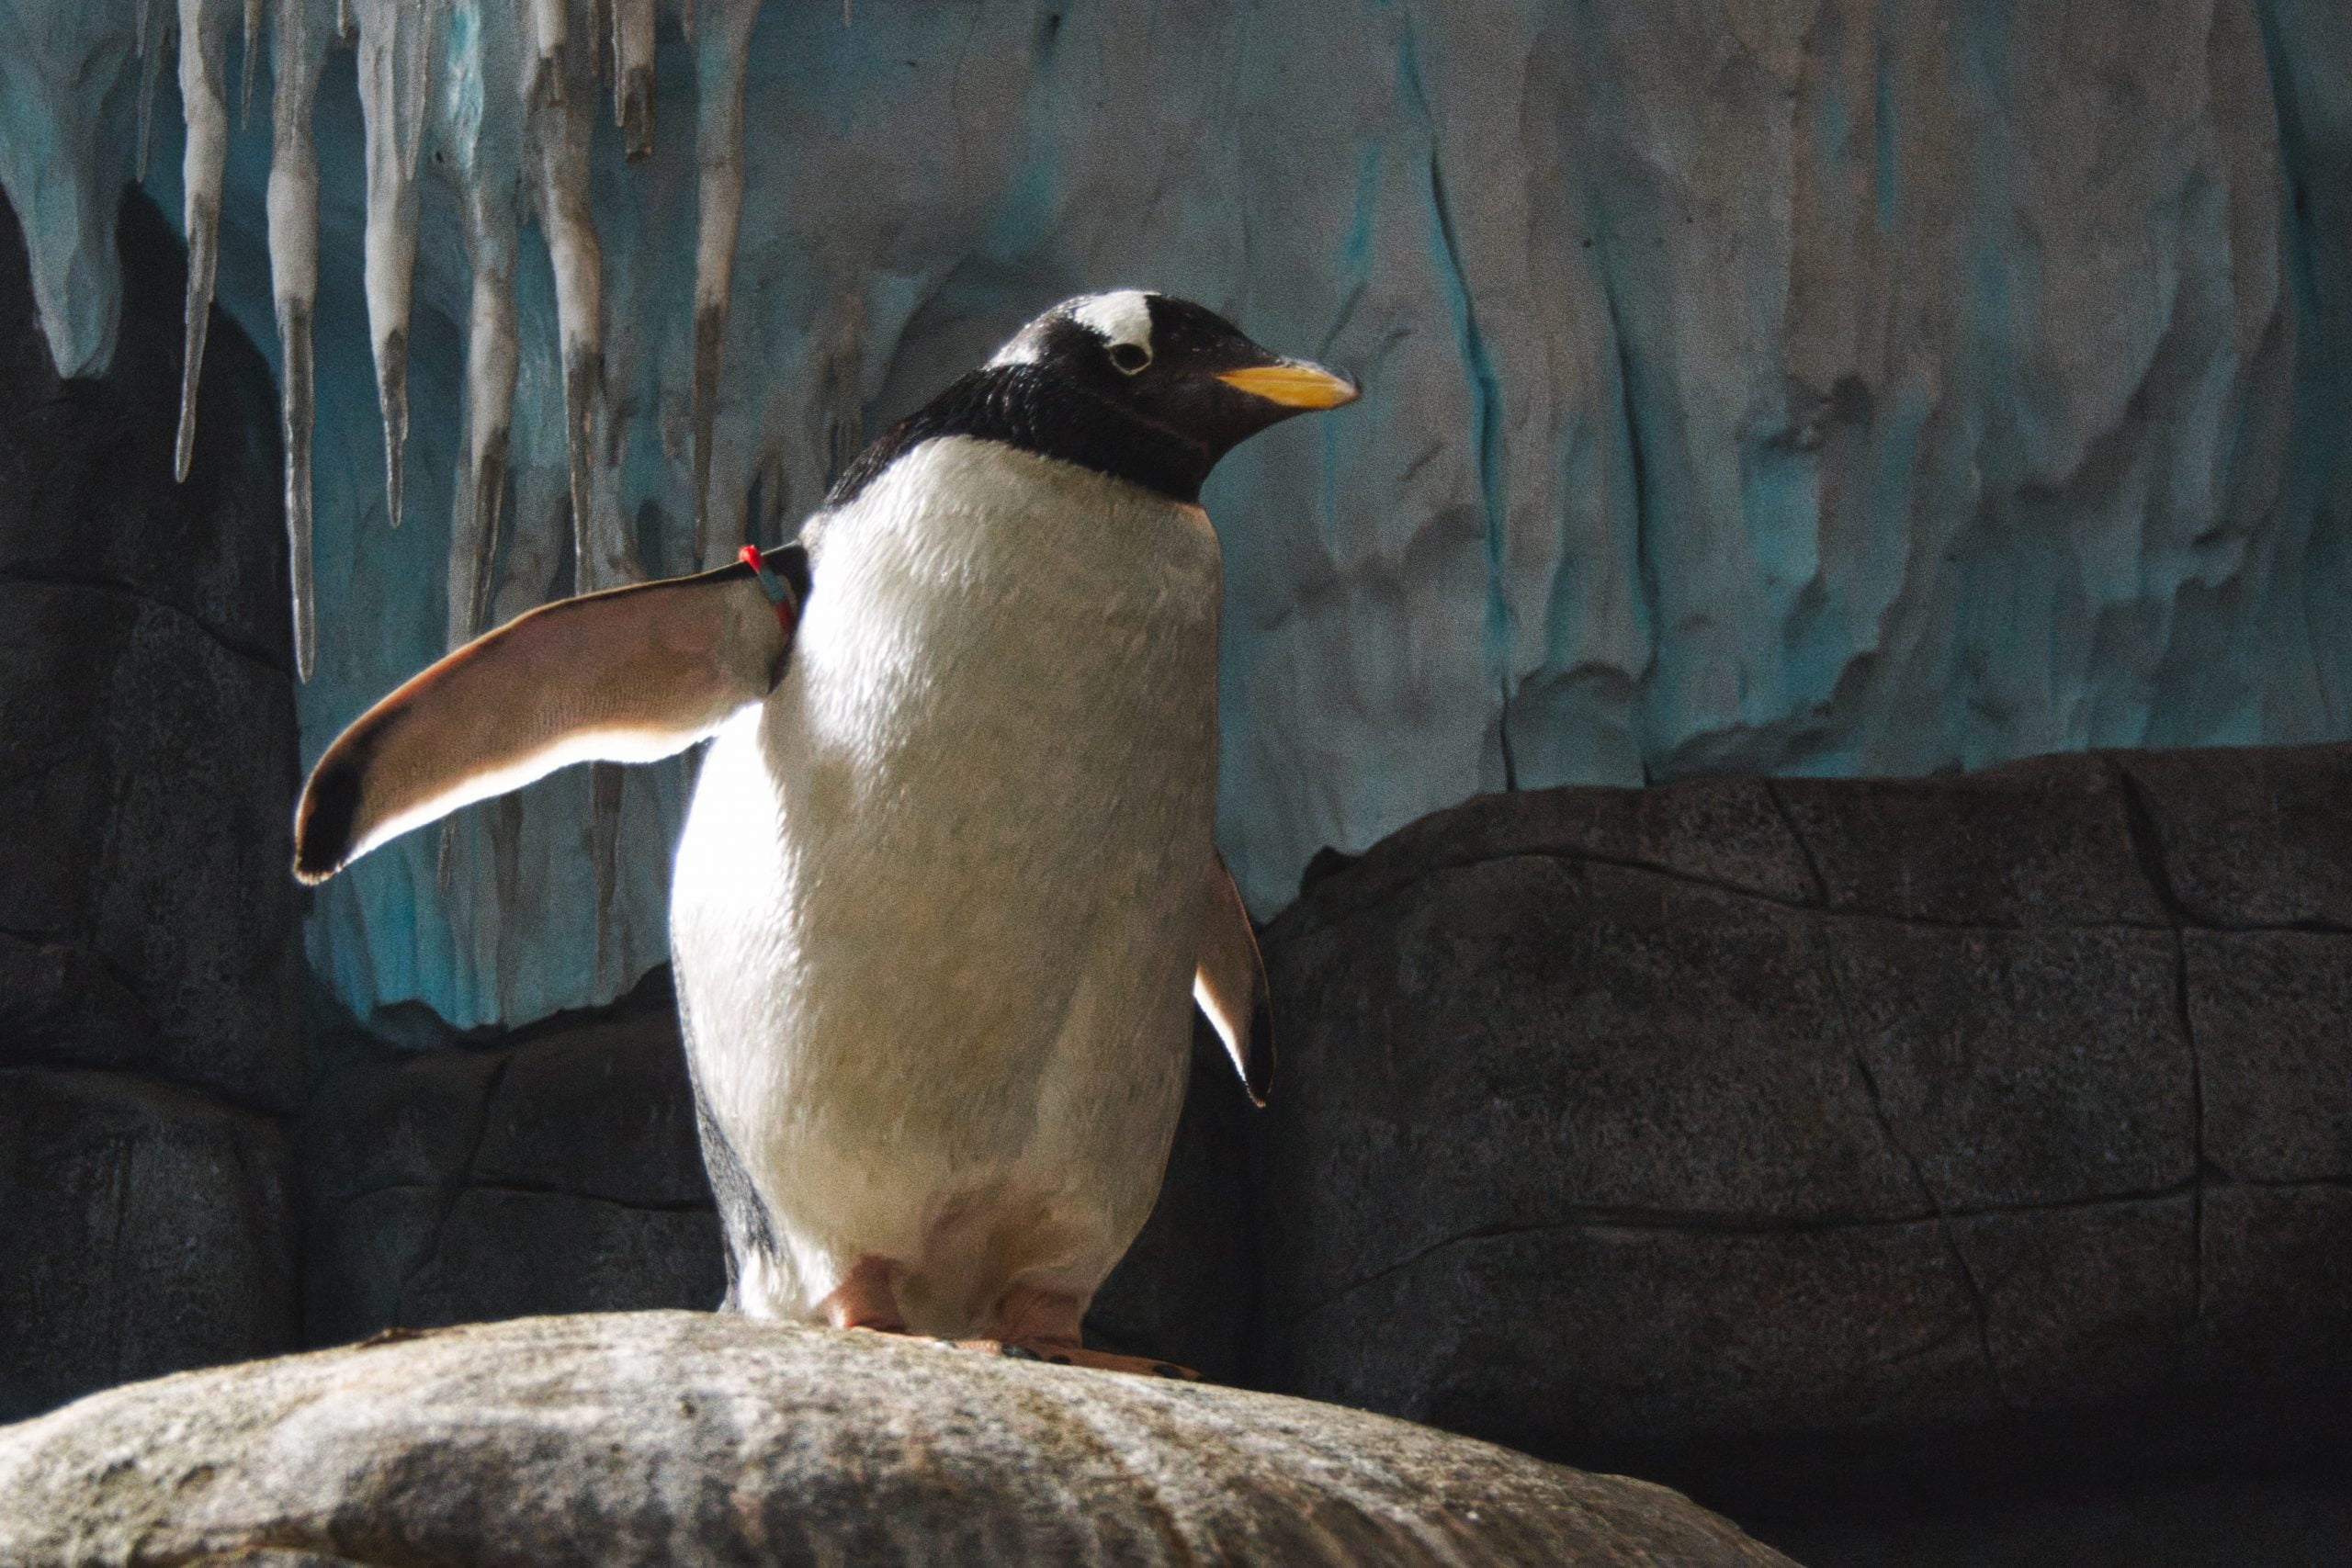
686 18
579 304
297 57
155 40
600 29
563 130
394 64
722 58
544 83
346 24
633 75
480 121
245 71
203 52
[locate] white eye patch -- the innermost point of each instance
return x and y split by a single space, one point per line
1121 320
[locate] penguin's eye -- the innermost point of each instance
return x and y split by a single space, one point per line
1129 358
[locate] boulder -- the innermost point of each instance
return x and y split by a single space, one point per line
688 1439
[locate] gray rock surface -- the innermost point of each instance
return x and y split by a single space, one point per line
2252 836
148 929
1812 1133
688 1439
147 750
143 1229
556 1171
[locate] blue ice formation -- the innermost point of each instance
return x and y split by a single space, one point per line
1867 386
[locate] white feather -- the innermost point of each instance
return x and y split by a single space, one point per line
1123 316
935 902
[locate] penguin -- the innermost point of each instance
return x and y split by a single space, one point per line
947 892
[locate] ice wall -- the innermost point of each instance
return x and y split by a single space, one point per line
1832 386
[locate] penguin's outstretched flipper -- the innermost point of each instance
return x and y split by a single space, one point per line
1229 983
631 675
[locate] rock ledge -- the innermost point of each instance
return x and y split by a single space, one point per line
685 1438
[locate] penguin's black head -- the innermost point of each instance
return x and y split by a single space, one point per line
1136 385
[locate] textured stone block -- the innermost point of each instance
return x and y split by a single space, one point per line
2297 1520
2275 1300
361 1258
142 1229
555 1171
601 1108
377 1125
2272 1014
147 747
1644 1349
2042 842
158 767
2085 1308
499 1252
1532 1040
58 1002
2042 1066
2252 836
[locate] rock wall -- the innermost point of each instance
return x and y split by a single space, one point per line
148 1053
1831 1148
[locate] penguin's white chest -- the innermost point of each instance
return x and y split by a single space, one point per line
937 903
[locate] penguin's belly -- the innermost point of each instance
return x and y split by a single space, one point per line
937 901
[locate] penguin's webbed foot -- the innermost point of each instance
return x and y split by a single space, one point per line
1035 1324
868 1297
1068 1353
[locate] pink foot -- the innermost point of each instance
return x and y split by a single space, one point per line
1033 1325
868 1297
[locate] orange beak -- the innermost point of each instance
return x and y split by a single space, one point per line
1295 384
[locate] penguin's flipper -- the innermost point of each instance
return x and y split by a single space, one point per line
1229 983
631 675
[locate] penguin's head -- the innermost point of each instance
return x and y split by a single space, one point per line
1172 364
1140 385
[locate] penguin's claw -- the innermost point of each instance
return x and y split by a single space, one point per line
1061 1354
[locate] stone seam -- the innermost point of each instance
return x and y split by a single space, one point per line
455 1190
2147 845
